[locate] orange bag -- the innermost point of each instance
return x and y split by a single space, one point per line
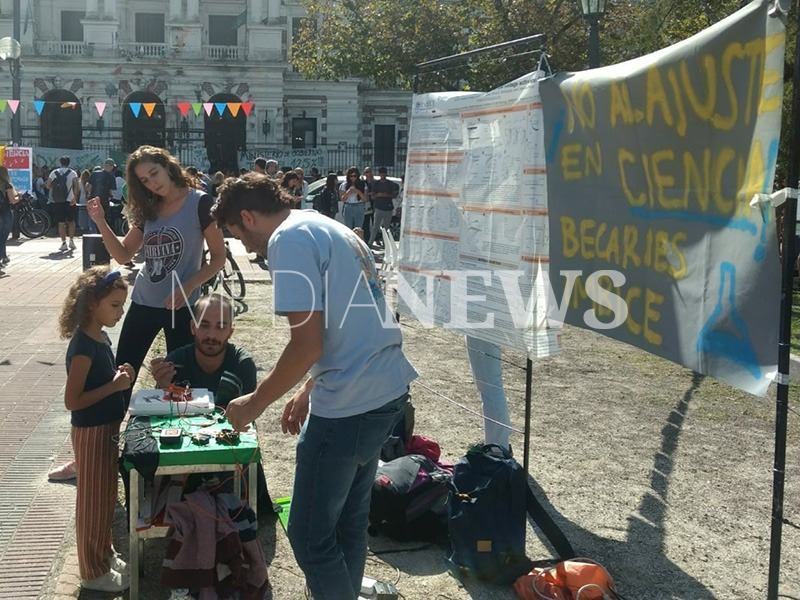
576 579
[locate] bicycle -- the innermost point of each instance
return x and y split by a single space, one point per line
33 222
230 276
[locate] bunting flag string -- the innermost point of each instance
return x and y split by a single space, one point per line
136 107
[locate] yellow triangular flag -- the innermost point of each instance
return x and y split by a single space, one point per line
234 107
149 107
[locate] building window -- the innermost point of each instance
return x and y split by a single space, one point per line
150 28
304 133
71 26
60 121
223 30
384 145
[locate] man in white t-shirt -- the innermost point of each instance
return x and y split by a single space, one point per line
342 332
63 186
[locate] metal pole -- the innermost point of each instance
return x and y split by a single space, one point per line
528 393
16 125
784 335
594 41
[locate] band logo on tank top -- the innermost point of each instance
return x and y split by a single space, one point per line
162 252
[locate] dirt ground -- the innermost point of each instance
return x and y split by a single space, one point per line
662 475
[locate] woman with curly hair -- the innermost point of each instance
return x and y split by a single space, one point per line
170 221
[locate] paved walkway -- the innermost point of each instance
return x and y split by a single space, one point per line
37 517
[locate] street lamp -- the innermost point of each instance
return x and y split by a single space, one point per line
593 10
10 49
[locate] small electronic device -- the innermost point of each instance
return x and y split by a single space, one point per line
171 436
385 591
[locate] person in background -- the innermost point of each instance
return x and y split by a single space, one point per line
369 179
353 193
94 395
315 176
63 186
303 183
83 183
487 370
291 183
327 201
119 181
8 198
272 168
383 193
39 190
102 182
216 181
260 165
357 388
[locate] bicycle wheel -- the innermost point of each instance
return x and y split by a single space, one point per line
232 278
34 223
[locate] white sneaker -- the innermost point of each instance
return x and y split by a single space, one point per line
118 565
72 245
110 582
63 247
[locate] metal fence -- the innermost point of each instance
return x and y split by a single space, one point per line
189 147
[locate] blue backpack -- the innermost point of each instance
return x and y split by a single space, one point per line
490 500
487 517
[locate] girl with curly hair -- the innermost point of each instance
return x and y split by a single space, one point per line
94 394
170 221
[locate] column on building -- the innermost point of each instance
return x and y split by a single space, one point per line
274 10
254 10
91 7
111 8
174 9
193 10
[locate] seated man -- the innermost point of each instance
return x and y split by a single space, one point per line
213 363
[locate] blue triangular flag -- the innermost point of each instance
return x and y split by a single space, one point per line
38 105
220 107
136 107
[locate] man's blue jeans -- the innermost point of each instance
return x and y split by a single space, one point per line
353 215
334 472
484 359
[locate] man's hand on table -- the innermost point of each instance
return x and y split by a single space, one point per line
242 411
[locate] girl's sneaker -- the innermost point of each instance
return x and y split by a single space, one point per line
112 581
119 565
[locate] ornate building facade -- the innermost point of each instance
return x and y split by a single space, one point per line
162 53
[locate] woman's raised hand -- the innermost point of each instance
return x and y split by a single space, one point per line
95 210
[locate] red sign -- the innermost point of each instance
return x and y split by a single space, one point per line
18 158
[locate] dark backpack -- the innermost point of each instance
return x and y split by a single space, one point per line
409 499
59 187
487 517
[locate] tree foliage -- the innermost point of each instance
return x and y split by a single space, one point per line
380 41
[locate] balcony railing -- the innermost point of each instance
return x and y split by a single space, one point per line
223 52
57 48
143 50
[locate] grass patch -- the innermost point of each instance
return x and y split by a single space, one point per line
795 339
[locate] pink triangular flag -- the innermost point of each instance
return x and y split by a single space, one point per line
13 105
208 107
101 108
